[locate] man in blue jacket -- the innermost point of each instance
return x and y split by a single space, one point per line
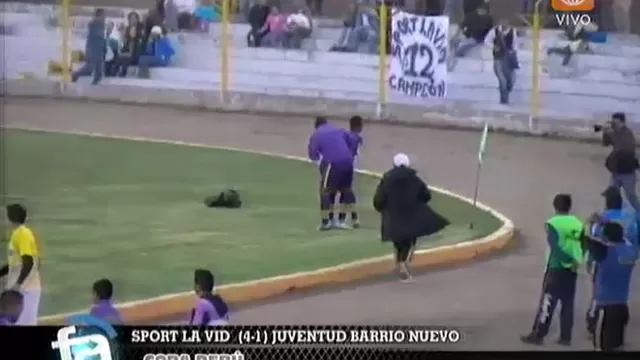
158 52
616 258
329 148
615 211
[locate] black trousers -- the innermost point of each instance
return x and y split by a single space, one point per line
403 249
592 312
558 286
612 321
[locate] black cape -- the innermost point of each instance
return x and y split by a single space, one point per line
402 200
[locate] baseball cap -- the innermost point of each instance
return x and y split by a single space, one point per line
611 191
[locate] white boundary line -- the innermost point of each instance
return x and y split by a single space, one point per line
507 224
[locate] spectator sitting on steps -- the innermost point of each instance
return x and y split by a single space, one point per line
114 44
578 37
274 28
298 28
257 19
472 32
360 32
134 34
158 53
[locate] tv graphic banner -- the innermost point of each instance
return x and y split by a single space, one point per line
418 63
100 341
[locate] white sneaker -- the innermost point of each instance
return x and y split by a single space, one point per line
341 225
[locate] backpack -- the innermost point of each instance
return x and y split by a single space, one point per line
227 199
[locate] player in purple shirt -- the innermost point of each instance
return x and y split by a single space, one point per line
10 307
102 307
329 148
210 309
348 204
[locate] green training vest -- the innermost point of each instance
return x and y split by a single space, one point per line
569 229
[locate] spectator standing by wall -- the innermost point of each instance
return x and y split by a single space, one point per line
257 18
95 49
622 15
169 12
622 162
505 59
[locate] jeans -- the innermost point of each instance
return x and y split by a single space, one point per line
122 63
272 39
293 38
505 74
628 183
563 51
91 66
254 37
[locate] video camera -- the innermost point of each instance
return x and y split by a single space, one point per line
598 127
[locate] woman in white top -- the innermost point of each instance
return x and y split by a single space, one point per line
298 28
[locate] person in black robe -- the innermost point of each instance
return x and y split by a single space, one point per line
401 198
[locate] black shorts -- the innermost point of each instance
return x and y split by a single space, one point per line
610 327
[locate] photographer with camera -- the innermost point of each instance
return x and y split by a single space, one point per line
622 162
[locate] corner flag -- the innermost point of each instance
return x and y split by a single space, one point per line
483 142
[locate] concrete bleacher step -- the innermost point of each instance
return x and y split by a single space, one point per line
459 99
600 85
326 37
325 80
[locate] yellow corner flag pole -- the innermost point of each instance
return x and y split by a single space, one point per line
382 61
535 66
224 51
66 30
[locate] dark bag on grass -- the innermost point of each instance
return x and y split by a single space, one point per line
229 199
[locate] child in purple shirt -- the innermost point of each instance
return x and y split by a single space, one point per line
102 307
210 309
10 307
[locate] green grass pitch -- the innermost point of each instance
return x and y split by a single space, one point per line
133 212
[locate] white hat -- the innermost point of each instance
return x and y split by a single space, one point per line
401 159
156 30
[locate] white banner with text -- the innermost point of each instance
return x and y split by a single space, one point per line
418 64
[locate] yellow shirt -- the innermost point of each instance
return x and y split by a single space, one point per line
21 243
